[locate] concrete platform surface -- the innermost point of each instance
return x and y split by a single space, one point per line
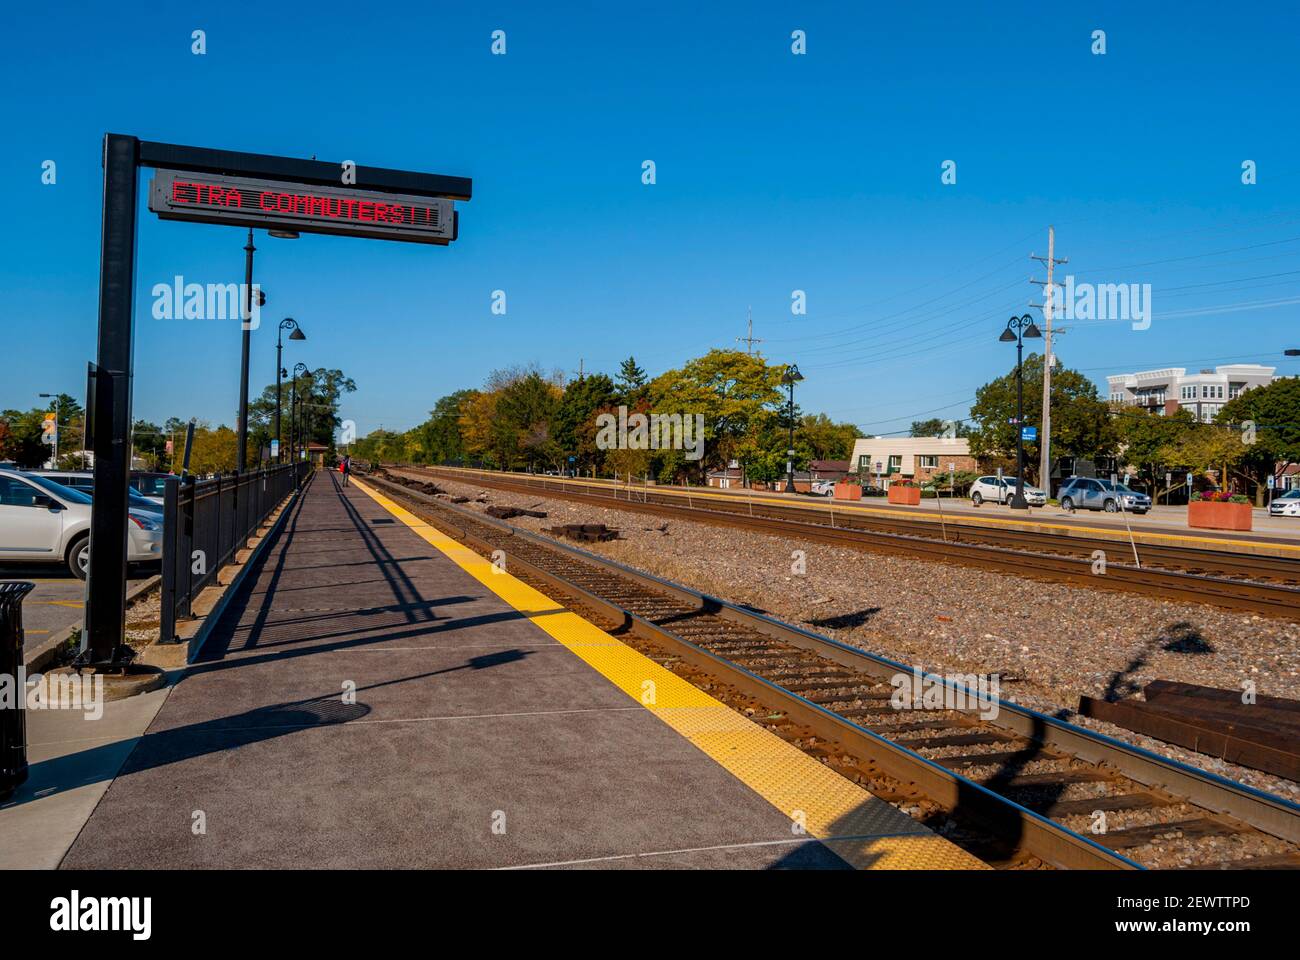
366 702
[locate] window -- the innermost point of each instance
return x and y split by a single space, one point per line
15 493
864 462
930 462
896 462
1234 390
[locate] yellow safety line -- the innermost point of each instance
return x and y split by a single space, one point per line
1142 536
819 802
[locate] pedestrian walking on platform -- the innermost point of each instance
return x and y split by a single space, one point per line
345 467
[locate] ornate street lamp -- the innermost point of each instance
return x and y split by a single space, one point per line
1017 329
790 378
288 323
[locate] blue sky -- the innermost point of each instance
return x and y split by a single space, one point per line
775 173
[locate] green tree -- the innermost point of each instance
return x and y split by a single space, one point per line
575 420
734 391
935 427
632 382
20 438
439 437
150 443
1147 439
1268 424
526 408
1081 422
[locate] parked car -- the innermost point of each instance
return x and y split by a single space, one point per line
823 488
44 521
1093 494
1001 490
149 485
84 481
1286 505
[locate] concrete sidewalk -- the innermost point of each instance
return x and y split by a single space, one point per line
365 702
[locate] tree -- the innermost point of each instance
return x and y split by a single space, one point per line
1206 447
823 439
1148 440
733 390
150 443
934 427
439 437
213 451
525 408
1268 422
632 382
575 420
1081 422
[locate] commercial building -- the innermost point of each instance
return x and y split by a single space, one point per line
911 458
1203 393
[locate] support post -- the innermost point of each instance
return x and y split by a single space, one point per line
106 578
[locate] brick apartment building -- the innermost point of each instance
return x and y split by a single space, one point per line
911 458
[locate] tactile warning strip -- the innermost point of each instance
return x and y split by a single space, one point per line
862 829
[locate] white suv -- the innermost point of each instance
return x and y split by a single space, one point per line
1001 491
41 520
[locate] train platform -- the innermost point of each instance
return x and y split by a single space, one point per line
377 695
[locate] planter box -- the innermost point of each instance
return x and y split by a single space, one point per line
1209 515
911 496
848 491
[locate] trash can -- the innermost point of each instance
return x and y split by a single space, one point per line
13 725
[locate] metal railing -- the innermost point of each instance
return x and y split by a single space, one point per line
206 522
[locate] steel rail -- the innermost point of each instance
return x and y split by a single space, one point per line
1039 835
1264 598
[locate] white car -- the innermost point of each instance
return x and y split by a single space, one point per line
823 488
44 521
1001 491
1286 505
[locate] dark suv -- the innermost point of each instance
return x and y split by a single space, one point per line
1092 494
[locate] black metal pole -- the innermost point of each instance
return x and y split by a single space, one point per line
106 576
279 458
293 419
1018 501
789 450
241 455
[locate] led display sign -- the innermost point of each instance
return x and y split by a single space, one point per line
244 202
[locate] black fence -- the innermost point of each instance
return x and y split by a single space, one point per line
205 522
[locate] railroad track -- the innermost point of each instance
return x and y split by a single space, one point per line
1018 789
1268 586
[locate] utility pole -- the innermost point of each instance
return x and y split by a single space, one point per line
1049 299
749 340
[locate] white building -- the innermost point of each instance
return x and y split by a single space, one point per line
1203 393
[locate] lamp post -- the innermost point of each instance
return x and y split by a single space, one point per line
1017 329
294 434
241 455
789 378
288 323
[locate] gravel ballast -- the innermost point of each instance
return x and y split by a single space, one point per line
1049 643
